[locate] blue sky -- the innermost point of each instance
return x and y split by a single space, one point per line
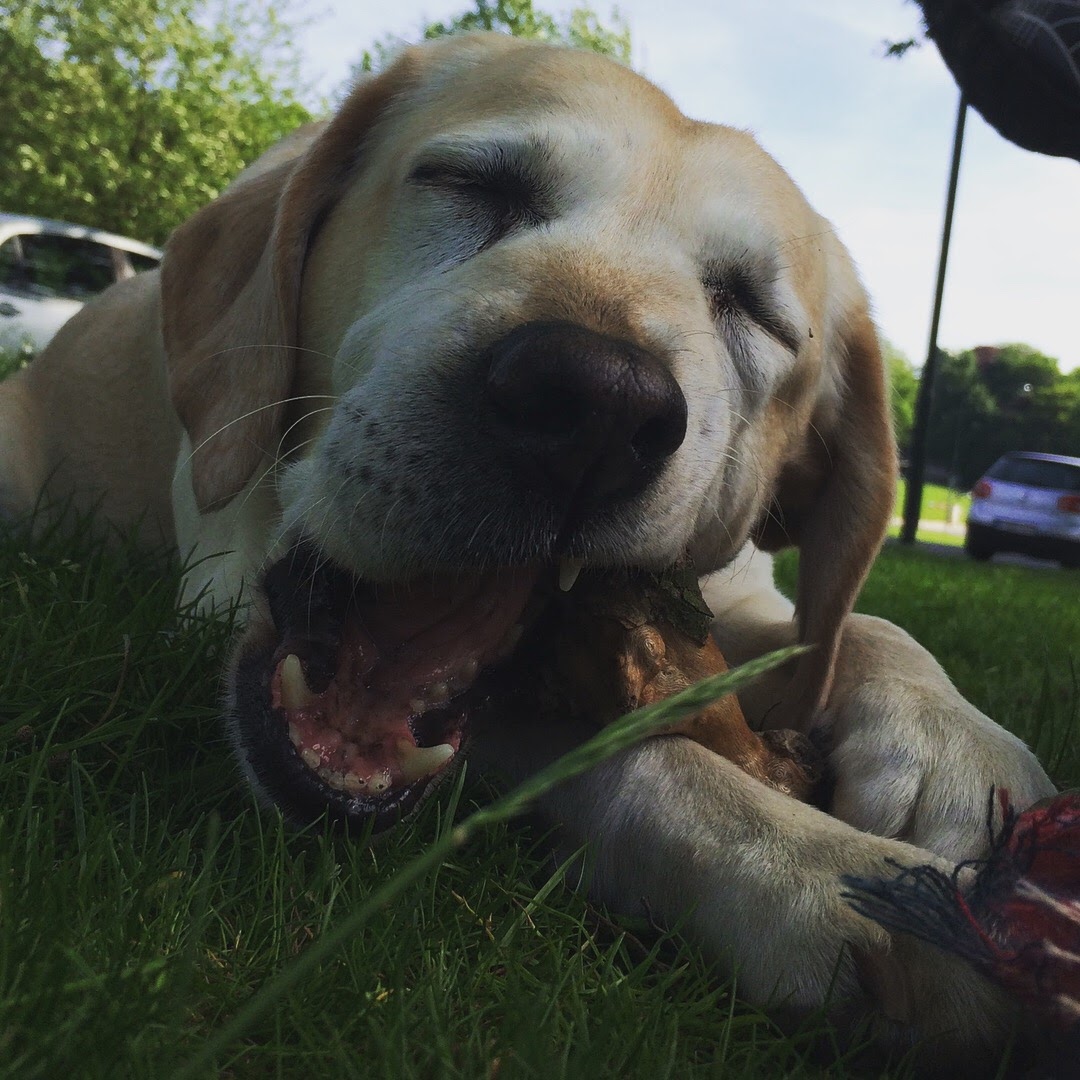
867 139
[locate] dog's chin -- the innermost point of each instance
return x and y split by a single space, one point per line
355 700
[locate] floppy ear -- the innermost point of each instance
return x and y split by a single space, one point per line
230 295
834 499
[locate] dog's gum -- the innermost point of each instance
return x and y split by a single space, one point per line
353 784
340 752
438 694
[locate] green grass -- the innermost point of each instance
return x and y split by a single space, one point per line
144 899
938 503
933 536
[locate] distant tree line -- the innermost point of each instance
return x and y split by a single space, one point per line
988 400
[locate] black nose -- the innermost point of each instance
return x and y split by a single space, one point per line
582 415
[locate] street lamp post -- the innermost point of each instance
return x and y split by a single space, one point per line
917 464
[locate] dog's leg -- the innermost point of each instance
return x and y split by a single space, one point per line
223 549
912 759
755 878
23 468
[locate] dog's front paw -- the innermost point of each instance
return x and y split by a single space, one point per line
912 759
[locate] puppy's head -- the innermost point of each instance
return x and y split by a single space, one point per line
510 311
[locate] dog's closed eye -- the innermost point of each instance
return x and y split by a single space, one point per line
496 186
736 295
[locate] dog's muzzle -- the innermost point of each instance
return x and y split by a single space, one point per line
357 695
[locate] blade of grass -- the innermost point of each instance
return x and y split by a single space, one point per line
619 736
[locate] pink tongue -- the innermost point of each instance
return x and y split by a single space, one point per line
410 648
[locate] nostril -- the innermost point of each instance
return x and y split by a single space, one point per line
659 437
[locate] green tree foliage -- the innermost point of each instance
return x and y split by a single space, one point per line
1017 370
903 389
987 402
130 114
581 27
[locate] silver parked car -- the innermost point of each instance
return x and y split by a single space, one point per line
1028 503
49 269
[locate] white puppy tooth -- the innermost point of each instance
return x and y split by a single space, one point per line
420 761
310 758
336 780
380 782
568 573
418 706
438 693
353 784
294 735
295 693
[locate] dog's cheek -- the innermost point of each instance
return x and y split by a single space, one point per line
295 483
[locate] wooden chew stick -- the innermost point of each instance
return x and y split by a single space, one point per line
628 640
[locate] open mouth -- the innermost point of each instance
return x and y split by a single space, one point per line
358 698
360 701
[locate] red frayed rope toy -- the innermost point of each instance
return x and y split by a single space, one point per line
1017 919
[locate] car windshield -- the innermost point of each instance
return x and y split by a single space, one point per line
47 266
1057 475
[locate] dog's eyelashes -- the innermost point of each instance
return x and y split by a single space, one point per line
731 292
734 294
483 180
506 198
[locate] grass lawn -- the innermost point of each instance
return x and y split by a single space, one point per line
933 536
144 899
938 503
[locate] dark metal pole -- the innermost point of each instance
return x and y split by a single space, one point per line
917 462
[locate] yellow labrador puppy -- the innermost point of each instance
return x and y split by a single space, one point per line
507 314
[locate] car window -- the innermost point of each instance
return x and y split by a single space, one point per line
12 270
139 263
46 266
1042 474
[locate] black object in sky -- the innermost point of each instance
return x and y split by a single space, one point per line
1017 63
